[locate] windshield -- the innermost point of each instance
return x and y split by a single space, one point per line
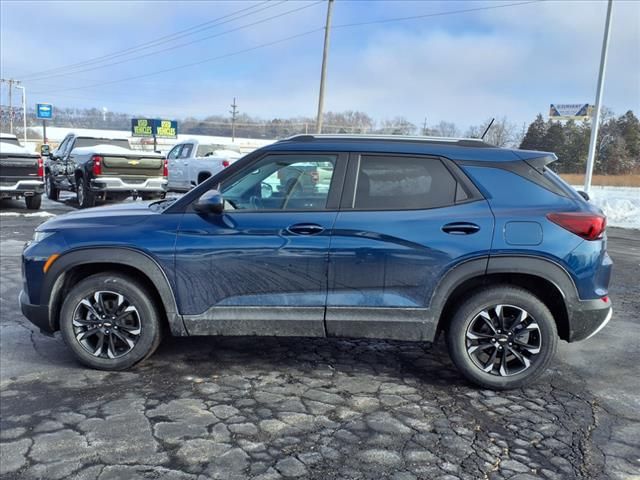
92 142
12 141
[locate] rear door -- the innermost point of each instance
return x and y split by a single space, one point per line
404 222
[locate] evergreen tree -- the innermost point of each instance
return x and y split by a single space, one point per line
534 138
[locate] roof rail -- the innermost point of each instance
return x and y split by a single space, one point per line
466 142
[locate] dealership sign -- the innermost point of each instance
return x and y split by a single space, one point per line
44 111
570 111
153 127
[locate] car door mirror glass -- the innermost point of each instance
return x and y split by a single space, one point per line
45 150
210 202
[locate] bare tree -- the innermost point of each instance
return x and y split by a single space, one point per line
502 133
397 126
445 129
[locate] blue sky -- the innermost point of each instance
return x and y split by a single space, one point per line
463 68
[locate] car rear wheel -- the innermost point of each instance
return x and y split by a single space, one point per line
502 337
50 189
33 202
86 198
109 322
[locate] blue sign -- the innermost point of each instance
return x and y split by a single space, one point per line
44 111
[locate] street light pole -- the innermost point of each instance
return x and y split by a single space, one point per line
323 73
24 112
595 121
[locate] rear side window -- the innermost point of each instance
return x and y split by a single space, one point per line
403 183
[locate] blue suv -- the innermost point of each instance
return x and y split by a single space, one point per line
336 236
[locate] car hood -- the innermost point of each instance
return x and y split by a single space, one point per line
101 217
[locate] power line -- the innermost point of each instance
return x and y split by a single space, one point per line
161 40
174 47
192 64
437 14
291 37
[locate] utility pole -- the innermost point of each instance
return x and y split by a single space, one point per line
323 73
24 111
10 106
424 127
234 114
595 121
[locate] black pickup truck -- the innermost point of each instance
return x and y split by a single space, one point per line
21 172
99 169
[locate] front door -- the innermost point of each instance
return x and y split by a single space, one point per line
260 268
405 221
174 165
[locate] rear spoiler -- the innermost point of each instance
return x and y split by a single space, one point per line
536 160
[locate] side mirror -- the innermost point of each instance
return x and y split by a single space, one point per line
45 150
584 195
210 202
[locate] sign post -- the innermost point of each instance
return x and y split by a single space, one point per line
44 111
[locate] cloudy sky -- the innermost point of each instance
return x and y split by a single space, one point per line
177 59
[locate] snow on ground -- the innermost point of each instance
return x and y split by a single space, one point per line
34 214
621 205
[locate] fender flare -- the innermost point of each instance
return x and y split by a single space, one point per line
147 265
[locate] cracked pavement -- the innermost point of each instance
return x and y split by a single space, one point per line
268 408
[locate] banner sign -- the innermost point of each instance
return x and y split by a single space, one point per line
146 127
567 111
44 111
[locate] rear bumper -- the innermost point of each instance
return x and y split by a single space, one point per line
36 314
589 318
115 184
22 187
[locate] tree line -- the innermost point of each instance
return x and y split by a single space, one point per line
617 148
617 151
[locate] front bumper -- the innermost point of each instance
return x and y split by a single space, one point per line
36 314
22 187
589 318
115 184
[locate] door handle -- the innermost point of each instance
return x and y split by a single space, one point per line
460 228
305 229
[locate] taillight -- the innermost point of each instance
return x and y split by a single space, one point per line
97 164
589 226
165 168
226 163
40 167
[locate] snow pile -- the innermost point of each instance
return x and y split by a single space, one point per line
621 205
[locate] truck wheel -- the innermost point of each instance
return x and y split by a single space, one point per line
86 198
502 337
33 202
109 322
50 188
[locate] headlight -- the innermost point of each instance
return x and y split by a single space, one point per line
40 236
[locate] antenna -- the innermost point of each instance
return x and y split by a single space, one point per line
485 132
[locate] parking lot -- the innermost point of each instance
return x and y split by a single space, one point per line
235 408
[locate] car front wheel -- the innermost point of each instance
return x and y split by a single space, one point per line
109 322
502 337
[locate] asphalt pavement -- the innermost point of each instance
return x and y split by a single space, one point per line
267 408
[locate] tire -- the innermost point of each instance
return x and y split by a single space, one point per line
523 346
86 198
33 202
141 325
153 196
52 192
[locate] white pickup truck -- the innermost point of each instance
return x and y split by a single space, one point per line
191 162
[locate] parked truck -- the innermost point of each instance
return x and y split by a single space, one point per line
100 169
21 172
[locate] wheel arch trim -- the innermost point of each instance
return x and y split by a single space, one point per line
124 256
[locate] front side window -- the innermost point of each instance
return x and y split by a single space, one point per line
283 182
403 183
175 152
